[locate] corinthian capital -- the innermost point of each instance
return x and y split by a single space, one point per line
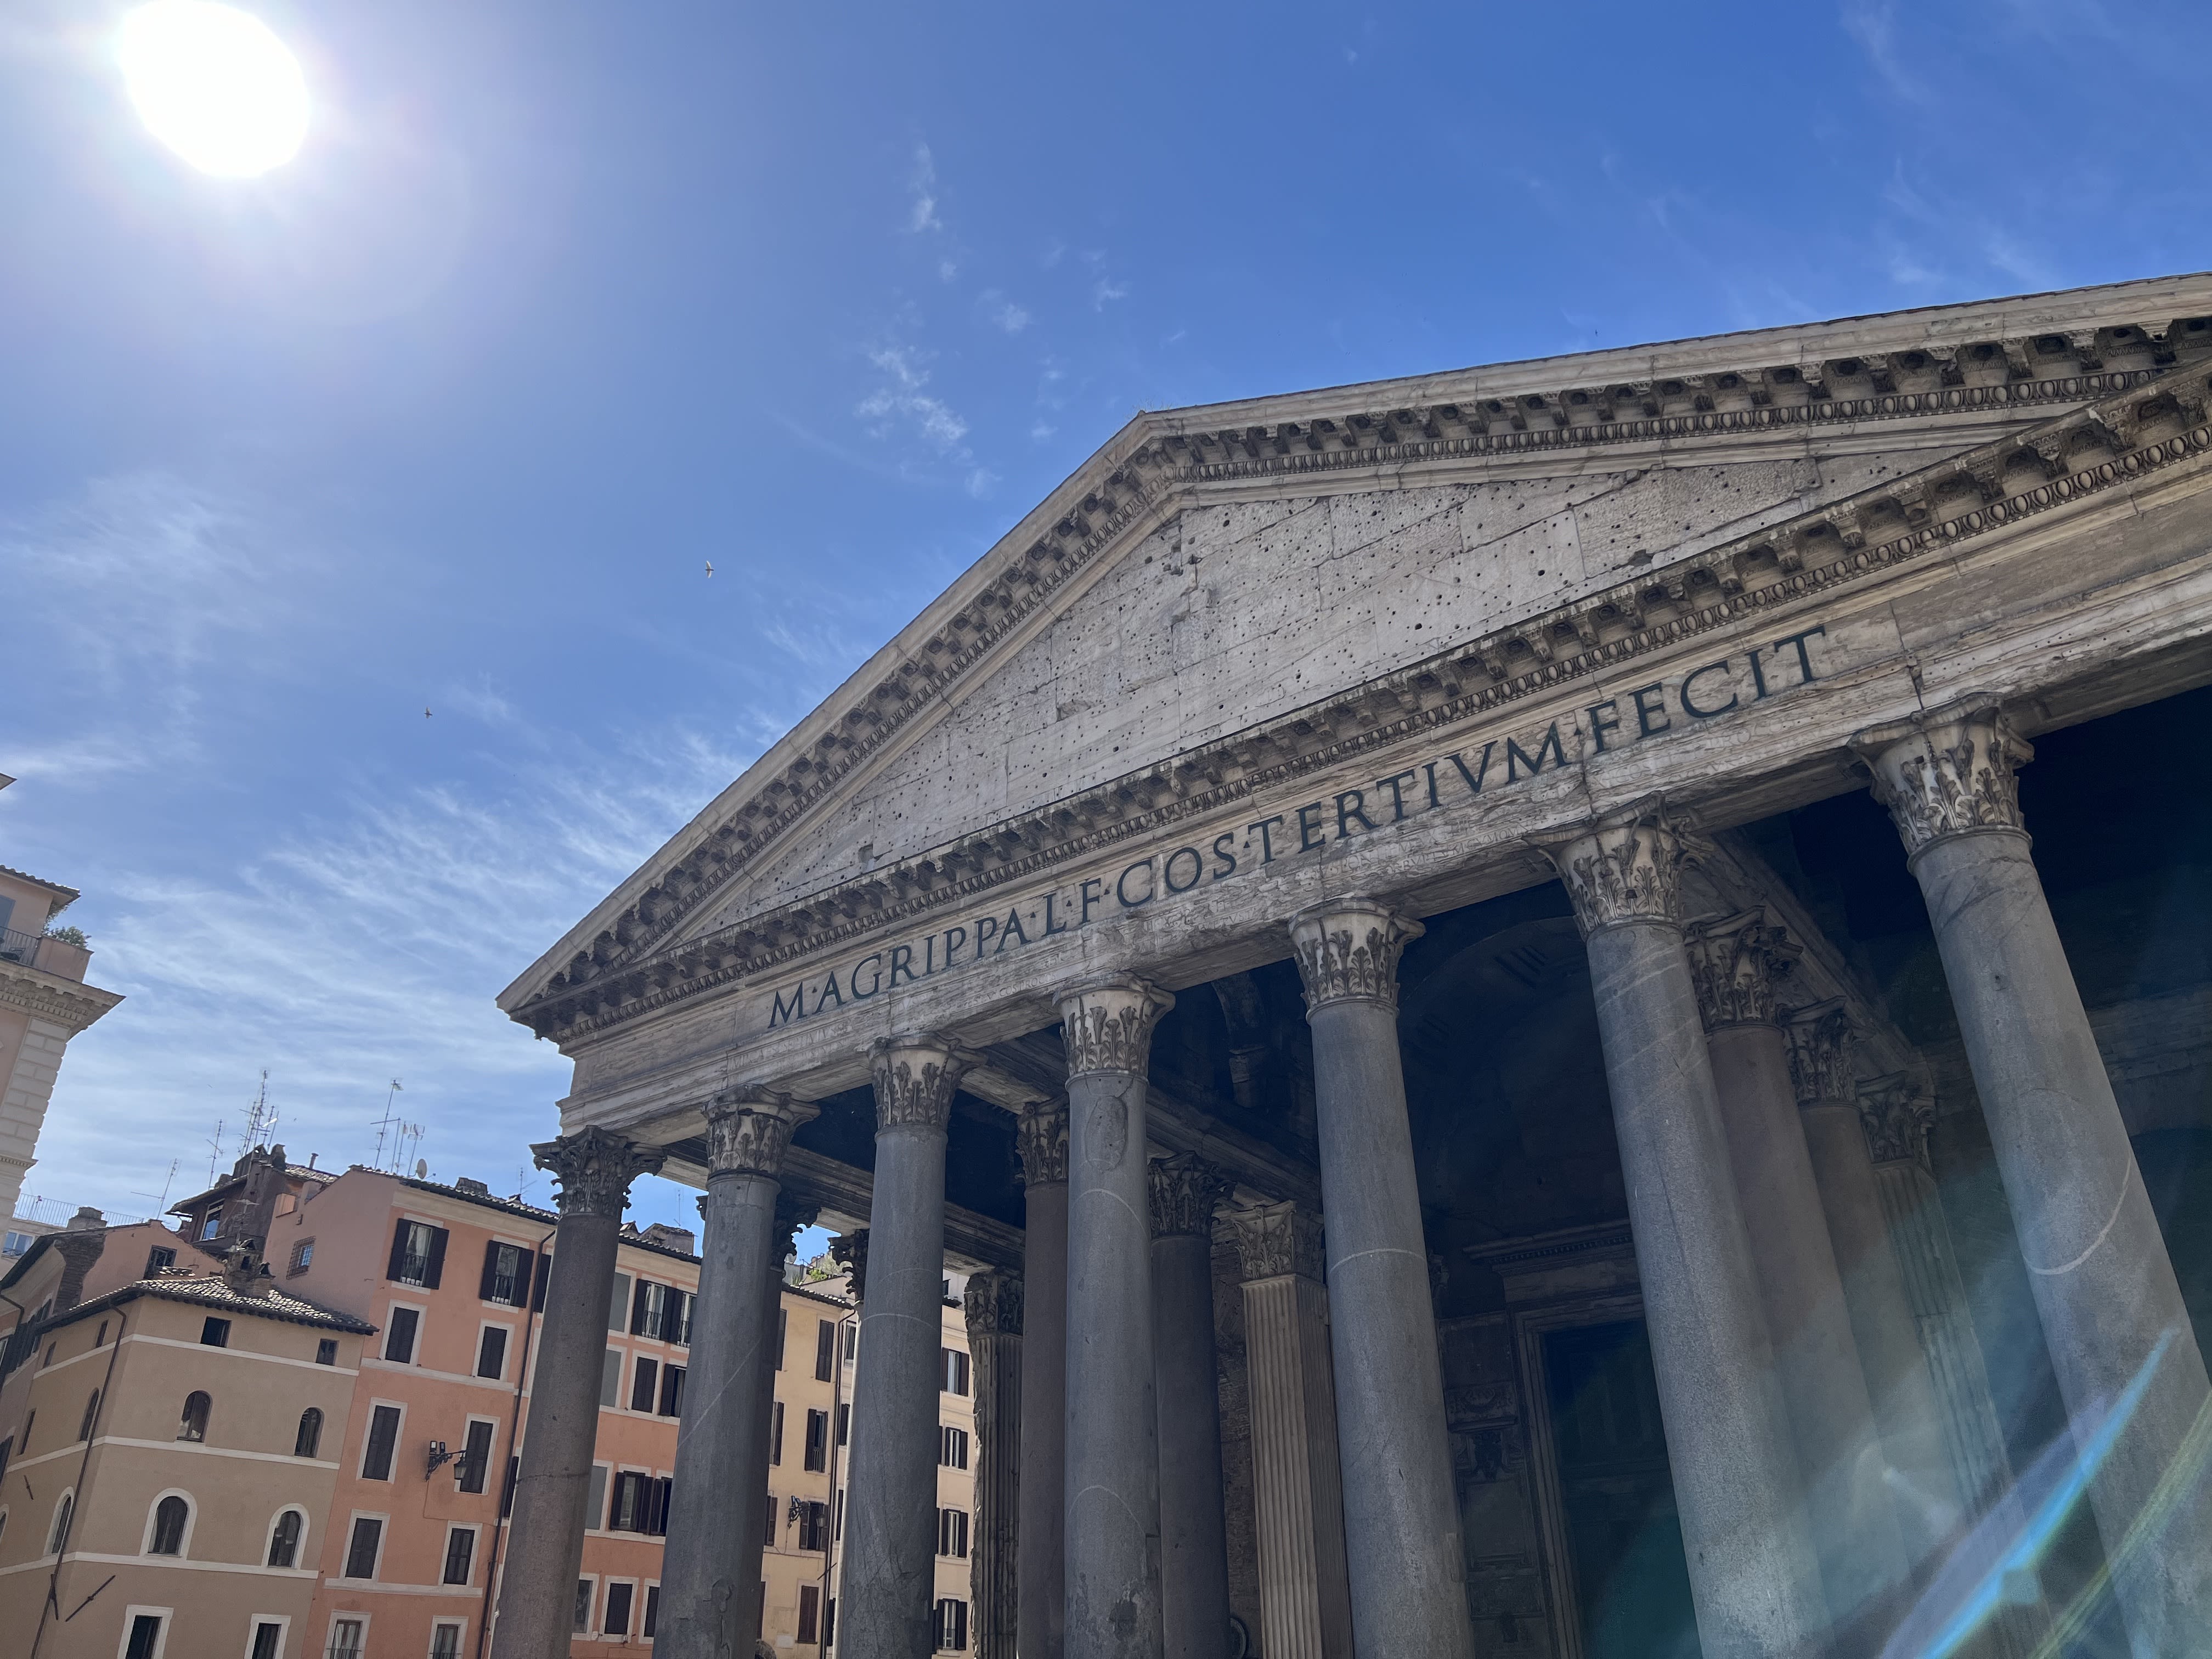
850 1252
1348 950
1041 1133
749 1131
1185 1189
993 1304
595 1168
1109 1024
1276 1239
1819 1053
1946 776
1623 872
1897 1120
1734 964
915 1078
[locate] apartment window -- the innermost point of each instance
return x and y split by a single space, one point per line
825 1348
814 1526
418 1255
284 1539
829 1623
640 1503
400 1330
852 1343
650 1308
268 1640
214 1334
191 1424
644 1384
15 1244
460 1554
614 1620
345 1638
770 1522
505 1274
170 1516
492 1352
383 1437
955 1366
145 1641
652 1611
160 1257
326 1352
776 1434
611 1378
475 1461
91 1415
837 1523
952 1449
671 1391
362 1547
809 1613
618 1304
583 1621
446 1640
595 1504
952 1533
211 1223
309 1439
952 1626
844 1423
303 1257
58 1534
782 1328
817 1440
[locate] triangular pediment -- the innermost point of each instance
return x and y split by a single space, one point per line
1220 571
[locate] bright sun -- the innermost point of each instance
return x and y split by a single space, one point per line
214 85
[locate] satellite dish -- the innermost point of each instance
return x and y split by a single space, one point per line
421 1168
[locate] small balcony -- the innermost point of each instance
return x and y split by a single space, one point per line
45 952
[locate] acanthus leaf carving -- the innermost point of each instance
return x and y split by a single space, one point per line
1733 965
1040 1135
1948 777
1273 1240
1819 1053
1185 1191
1897 1120
595 1168
915 1079
1108 1024
1347 951
749 1131
1629 871
993 1304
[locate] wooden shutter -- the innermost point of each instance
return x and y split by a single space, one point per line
399 1252
437 1258
485 1286
544 1268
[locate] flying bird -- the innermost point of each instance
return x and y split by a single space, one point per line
710 566
426 712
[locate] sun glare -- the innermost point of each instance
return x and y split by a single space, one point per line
216 85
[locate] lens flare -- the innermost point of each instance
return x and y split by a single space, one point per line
214 84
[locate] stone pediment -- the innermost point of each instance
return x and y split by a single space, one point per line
1223 596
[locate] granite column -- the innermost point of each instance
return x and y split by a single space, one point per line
994 1308
545 1542
1041 1133
1194 1538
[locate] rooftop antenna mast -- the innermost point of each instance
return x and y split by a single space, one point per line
161 1205
215 1152
386 1124
260 1116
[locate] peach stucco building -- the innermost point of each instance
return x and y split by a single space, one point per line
44 1002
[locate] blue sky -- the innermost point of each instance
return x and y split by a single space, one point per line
561 301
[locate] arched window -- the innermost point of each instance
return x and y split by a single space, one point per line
284 1539
168 1537
310 1433
194 1425
58 1534
91 1416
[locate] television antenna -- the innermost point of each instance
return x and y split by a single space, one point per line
260 1116
386 1124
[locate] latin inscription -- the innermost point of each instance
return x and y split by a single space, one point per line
1725 686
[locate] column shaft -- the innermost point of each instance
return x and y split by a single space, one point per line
1193 1536
1402 1516
993 1304
1753 1577
545 1541
1112 1569
1040 1559
887 1595
2118 1334
1298 1483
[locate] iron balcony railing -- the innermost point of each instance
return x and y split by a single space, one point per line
17 946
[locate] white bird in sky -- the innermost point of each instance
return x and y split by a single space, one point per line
426 712
710 566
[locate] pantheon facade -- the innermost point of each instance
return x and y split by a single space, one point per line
1559 1010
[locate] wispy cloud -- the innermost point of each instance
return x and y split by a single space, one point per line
922 189
1873 25
900 398
1003 313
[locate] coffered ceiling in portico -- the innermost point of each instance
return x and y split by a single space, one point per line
1221 589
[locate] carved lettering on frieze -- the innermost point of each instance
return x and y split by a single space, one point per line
1273 1240
1819 1053
1948 778
1108 1026
915 1079
595 1168
1627 872
1347 951
993 1304
1040 1135
1733 965
1186 1189
1897 1120
749 1131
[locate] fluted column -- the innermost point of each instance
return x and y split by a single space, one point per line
1194 1538
993 1304
1112 1569
1752 1575
885 1604
1402 1516
710 1583
2112 1309
545 1543
1733 965
1298 1483
1040 1132
1908 1411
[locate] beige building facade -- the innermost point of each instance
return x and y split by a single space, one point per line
43 1003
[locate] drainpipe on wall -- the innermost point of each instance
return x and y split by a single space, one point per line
538 1266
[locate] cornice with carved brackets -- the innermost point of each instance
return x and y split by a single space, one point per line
47 996
2071 459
